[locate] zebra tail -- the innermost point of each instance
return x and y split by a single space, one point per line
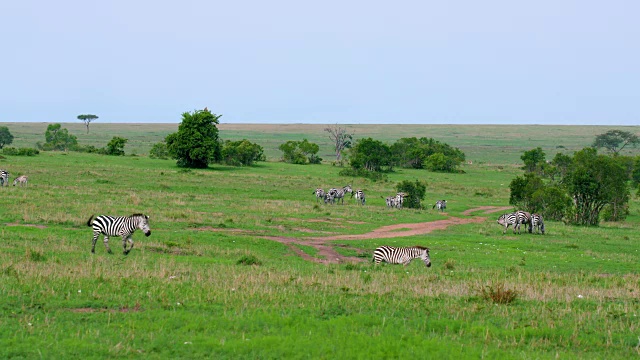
89 221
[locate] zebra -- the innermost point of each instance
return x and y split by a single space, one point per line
338 194
123 226
22 179
394 255
319 194
400 199
440 205
328 198
537 222
4 178
508 219
359 194
524 218
391 201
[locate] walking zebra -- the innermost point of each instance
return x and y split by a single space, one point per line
537 222
4 178
524 218
391 201
359 194
123 226
338 194
440 205
508 219
400 199
22 179
319 194
394 255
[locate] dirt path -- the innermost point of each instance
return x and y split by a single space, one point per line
330 256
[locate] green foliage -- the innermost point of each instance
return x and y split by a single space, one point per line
248 260
371 155
635 174
415 192
551 201
534 160
426 153
300 152
58 138
241 153
595 181
116 146
5 136
20 151
615 140
195 145
522 189
87 119
159 151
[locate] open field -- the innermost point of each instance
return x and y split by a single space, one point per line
243 263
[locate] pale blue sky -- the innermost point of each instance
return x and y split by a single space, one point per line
432 62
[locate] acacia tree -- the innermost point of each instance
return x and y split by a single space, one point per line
87 119
196 144
615 140
5 136
340 138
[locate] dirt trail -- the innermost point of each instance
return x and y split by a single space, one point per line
330 256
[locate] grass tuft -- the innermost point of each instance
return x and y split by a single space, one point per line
249 260
35 255
498 294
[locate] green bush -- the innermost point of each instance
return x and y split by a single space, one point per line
415 193
242 153
159 151
20 151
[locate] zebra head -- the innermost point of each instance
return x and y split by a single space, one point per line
502 220
143 223
347 189
424 255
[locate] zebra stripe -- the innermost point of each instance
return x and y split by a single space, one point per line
391 202
359 194
394 255
440 205
508 219
21 179
400 199
338 194
523 218
537 223
4 178
123 226
319 194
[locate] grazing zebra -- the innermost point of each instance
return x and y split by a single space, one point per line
440 205
123 226
328 198
338 194
4 178
523 218
22 179
359 194
394 255
391 201
400 199
537 222
319 194
508 219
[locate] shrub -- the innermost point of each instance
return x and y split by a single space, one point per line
415 193
20 151
498 294
159 151
242 153
249 260
115 147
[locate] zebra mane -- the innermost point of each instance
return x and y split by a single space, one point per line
420 247
138 214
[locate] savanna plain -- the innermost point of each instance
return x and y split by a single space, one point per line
237 266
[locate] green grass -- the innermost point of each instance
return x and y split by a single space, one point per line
208 284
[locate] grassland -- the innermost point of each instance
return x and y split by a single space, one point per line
185 292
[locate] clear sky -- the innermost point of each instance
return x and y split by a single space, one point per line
359 62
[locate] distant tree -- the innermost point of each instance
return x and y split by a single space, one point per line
58 138
116 146
534 160
371 155
5 136
616 140
415 192
196 144
87 119
522 190
340 138
300 152
242 153
426 153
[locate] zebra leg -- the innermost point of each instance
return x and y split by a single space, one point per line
106 244
93 243
126 239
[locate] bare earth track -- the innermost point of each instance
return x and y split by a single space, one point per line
327 254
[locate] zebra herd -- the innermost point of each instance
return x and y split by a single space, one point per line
522 217
334 195
4 179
